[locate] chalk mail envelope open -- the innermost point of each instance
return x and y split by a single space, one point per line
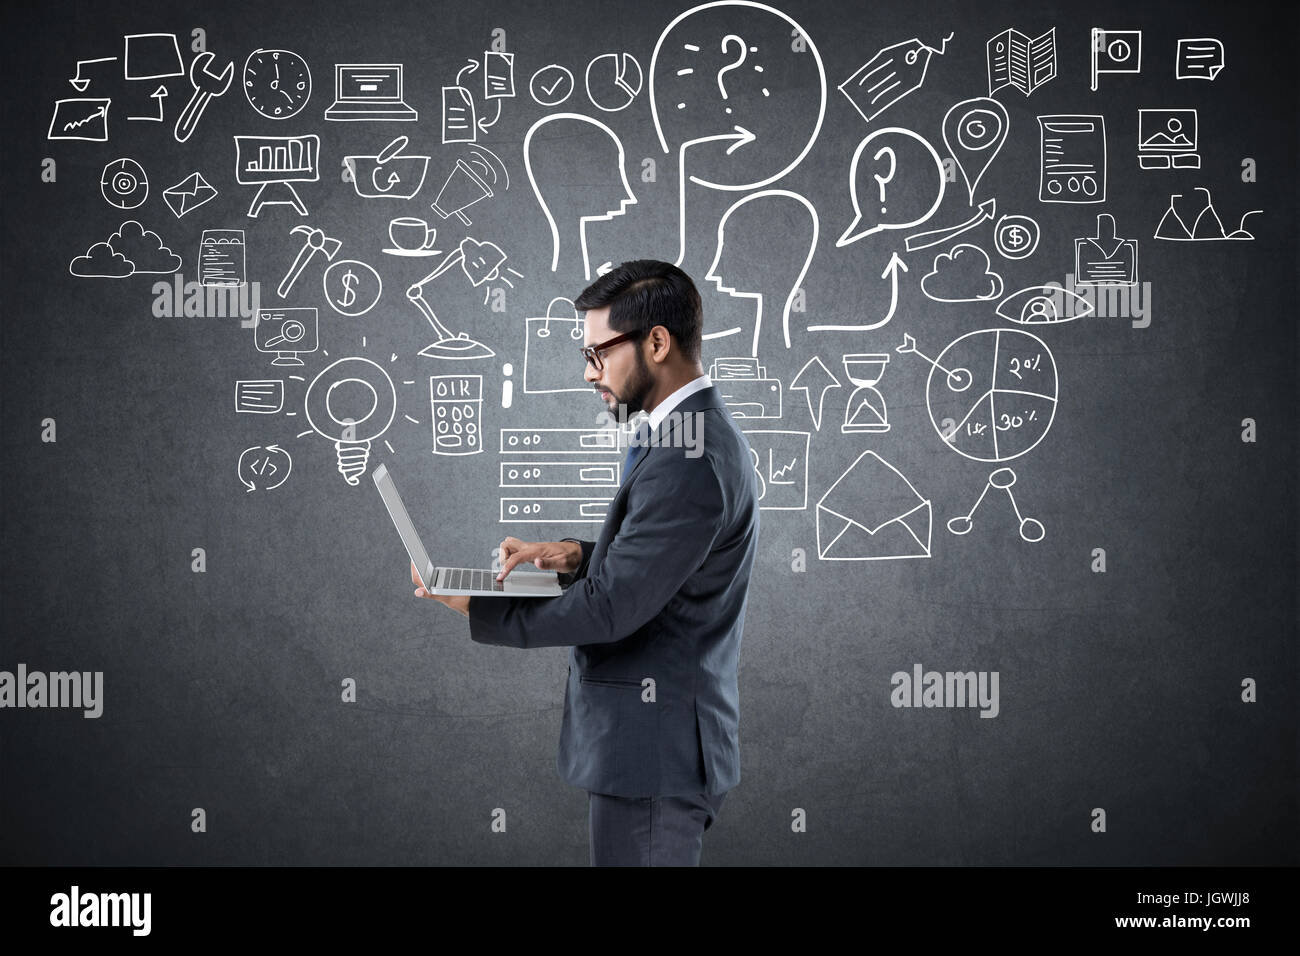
188 194
872 513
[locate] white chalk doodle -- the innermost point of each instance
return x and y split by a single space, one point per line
974 131
1016 237
1194 219
741 276
351 403
866 410
1048 304
745 388
412 236
189 194
81 118
1023 62
1115 51
991 394
273 164
389 174
287 333
478 174
780 463
551 85
263 466
277 83
563 205
1072 159
351 287
873 513
962 274
370 92
123 184
131 250
613 81
1198 58
207 86
814 377
876 164
1105 259
1031 529
890 75
1167 139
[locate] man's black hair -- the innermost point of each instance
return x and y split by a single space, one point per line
644 293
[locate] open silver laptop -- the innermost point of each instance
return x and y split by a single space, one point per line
474 581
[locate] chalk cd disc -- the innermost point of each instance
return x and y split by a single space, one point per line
124 184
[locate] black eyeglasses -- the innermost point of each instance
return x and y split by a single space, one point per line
592 352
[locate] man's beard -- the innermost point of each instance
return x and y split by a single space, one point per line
636 391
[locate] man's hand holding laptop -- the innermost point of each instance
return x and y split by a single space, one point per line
561 556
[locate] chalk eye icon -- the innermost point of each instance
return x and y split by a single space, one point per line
1043 305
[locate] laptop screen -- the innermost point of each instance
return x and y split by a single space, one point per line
369 82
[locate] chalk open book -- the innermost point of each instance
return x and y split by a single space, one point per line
1016 60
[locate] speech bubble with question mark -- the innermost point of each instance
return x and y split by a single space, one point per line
907 162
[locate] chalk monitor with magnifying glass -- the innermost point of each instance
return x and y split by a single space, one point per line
287 332
473 581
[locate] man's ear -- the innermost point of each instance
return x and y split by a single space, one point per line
661 343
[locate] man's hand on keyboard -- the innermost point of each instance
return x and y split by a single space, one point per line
562 556
457 602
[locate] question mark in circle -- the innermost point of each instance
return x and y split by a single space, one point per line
731 66
893 166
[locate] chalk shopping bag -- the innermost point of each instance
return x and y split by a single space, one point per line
552 362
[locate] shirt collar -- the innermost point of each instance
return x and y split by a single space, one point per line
672 401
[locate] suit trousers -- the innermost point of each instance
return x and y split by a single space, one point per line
649 831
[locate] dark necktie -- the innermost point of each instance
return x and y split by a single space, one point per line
636 448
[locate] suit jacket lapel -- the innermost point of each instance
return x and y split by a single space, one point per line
697 401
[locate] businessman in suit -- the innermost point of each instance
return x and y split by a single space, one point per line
654 608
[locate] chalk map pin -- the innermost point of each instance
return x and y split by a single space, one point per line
974 130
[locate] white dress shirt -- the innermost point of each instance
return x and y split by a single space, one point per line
672 401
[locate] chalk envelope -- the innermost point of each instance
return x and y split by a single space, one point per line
872 513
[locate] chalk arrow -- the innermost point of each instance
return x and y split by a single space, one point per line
891 272
158 95
484 126
924 240
82 83
741 137
815 377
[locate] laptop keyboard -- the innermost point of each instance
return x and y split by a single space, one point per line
473 579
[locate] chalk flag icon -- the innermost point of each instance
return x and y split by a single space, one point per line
1115 51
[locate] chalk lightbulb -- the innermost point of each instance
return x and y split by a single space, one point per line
351 402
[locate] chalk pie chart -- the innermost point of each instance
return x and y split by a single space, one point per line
992 394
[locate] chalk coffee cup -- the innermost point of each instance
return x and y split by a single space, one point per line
412 234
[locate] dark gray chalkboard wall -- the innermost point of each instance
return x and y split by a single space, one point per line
1119 690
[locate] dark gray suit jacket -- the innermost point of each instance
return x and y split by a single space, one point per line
661 595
